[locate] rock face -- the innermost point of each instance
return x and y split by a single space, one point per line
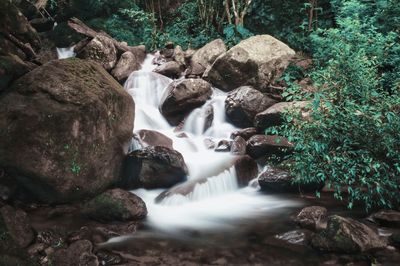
170 69
205 56
388 218
154 167
246 170
115 205
78 253
127 63
102 50
238 146
346 235
265 145
242 105
183 96
11 68
256 61
273 116
313 217
275 180
66 127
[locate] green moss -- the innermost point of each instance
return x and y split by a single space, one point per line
105 208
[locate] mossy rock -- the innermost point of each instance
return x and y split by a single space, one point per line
115 205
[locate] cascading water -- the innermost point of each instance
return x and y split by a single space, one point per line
216 201
63 53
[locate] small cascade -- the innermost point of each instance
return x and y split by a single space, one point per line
66 52
215 196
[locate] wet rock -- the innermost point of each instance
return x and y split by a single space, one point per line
78 253
205 56
209 117
268 145
245 133
296 237
246 170
257 61
313 217
388 218
127 63
17 226
275 180
11 68
183 189
82 119
115 205
238 146
242 105
100 49
346 235
210 144
154 167
42 24
273 116
170 69
108 258
223 146
183 96
153 138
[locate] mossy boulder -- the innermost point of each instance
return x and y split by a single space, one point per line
64 130
11 68
346 235
115 205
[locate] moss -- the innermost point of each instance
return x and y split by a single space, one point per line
105 208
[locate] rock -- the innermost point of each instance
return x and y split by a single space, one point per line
13 22
127 63
256 61
115 205
273 116
313 217
183 96
208 117
153 138
205 56
346 235
42 24
78 253
223 146
387 218
276 180
154 167
295 237
17 226
183 189
242 105
179 56
245 133
209 143
11 68
268 145
238 146
170 69
246 170
83 121
394 240
100 49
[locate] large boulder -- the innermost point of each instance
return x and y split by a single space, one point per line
127 63
13 22
170 69
256 61
268 145
11 68
276 180
274 115
242 105
347 236
65 128
313 217
205 56
154 167
115 205
102 50
246 170
183 96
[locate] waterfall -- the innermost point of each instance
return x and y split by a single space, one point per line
215 197
66 52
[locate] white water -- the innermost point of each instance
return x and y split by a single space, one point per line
66 52
216 203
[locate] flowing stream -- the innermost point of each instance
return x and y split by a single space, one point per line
217 203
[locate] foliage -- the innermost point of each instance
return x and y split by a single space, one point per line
352 142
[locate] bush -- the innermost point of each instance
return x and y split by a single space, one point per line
352 142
